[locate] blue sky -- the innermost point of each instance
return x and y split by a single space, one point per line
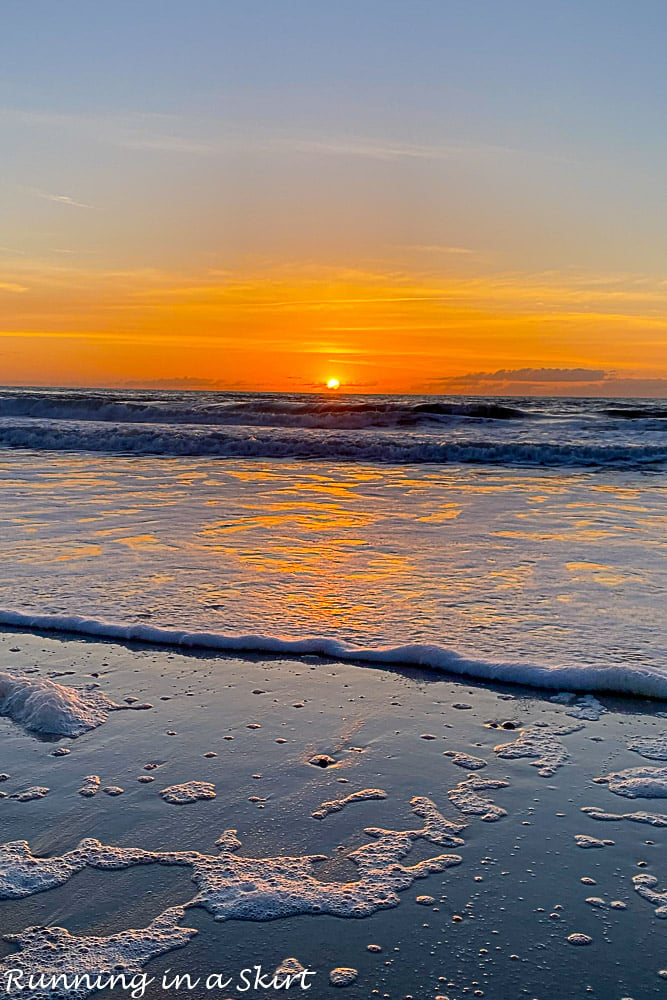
549 114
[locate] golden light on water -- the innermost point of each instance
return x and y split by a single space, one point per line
333 383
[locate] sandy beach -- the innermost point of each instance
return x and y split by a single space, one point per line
495 923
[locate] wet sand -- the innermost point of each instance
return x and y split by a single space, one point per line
278 739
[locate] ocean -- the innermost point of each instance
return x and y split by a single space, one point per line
511 538
333 685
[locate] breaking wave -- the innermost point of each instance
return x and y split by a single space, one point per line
342 446
269 410
655 412
628 679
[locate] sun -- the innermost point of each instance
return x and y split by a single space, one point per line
333 383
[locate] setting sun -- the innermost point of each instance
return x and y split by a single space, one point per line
333 383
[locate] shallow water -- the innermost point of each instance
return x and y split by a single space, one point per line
546 567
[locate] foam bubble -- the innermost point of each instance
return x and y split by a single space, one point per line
466 798
104 856
91 786
228 841
256 888
582 840
542 742
290 967
637 782
52 951
650 818
602 904
653 747
465 760
645 886
43 706
342 976
270 888
187 792
588 708
579 939
335 805
289 972
31 794
437 829
22 874
233 887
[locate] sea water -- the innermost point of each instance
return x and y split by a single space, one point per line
512 538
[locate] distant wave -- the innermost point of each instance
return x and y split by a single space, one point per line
656 412
344 413
628 679
343 446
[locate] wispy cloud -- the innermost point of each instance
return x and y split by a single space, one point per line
378 148
364 148
61 199
535 375
205 135
181 382
437 248
136 130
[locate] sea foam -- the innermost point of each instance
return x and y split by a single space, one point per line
234 887
637 782
628 679
65 967
43 706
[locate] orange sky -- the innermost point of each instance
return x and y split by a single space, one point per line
292 328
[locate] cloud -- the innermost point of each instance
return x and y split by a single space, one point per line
438 248
580 382
137 130
61 199
183 382
535 375
204 134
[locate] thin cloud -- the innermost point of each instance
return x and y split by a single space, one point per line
184 382
61 199
438 248
204 135
139 130
535 375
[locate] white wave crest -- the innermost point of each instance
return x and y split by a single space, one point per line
627 679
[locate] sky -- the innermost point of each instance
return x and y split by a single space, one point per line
447 196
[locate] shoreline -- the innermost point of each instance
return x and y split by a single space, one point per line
394 730
619 681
